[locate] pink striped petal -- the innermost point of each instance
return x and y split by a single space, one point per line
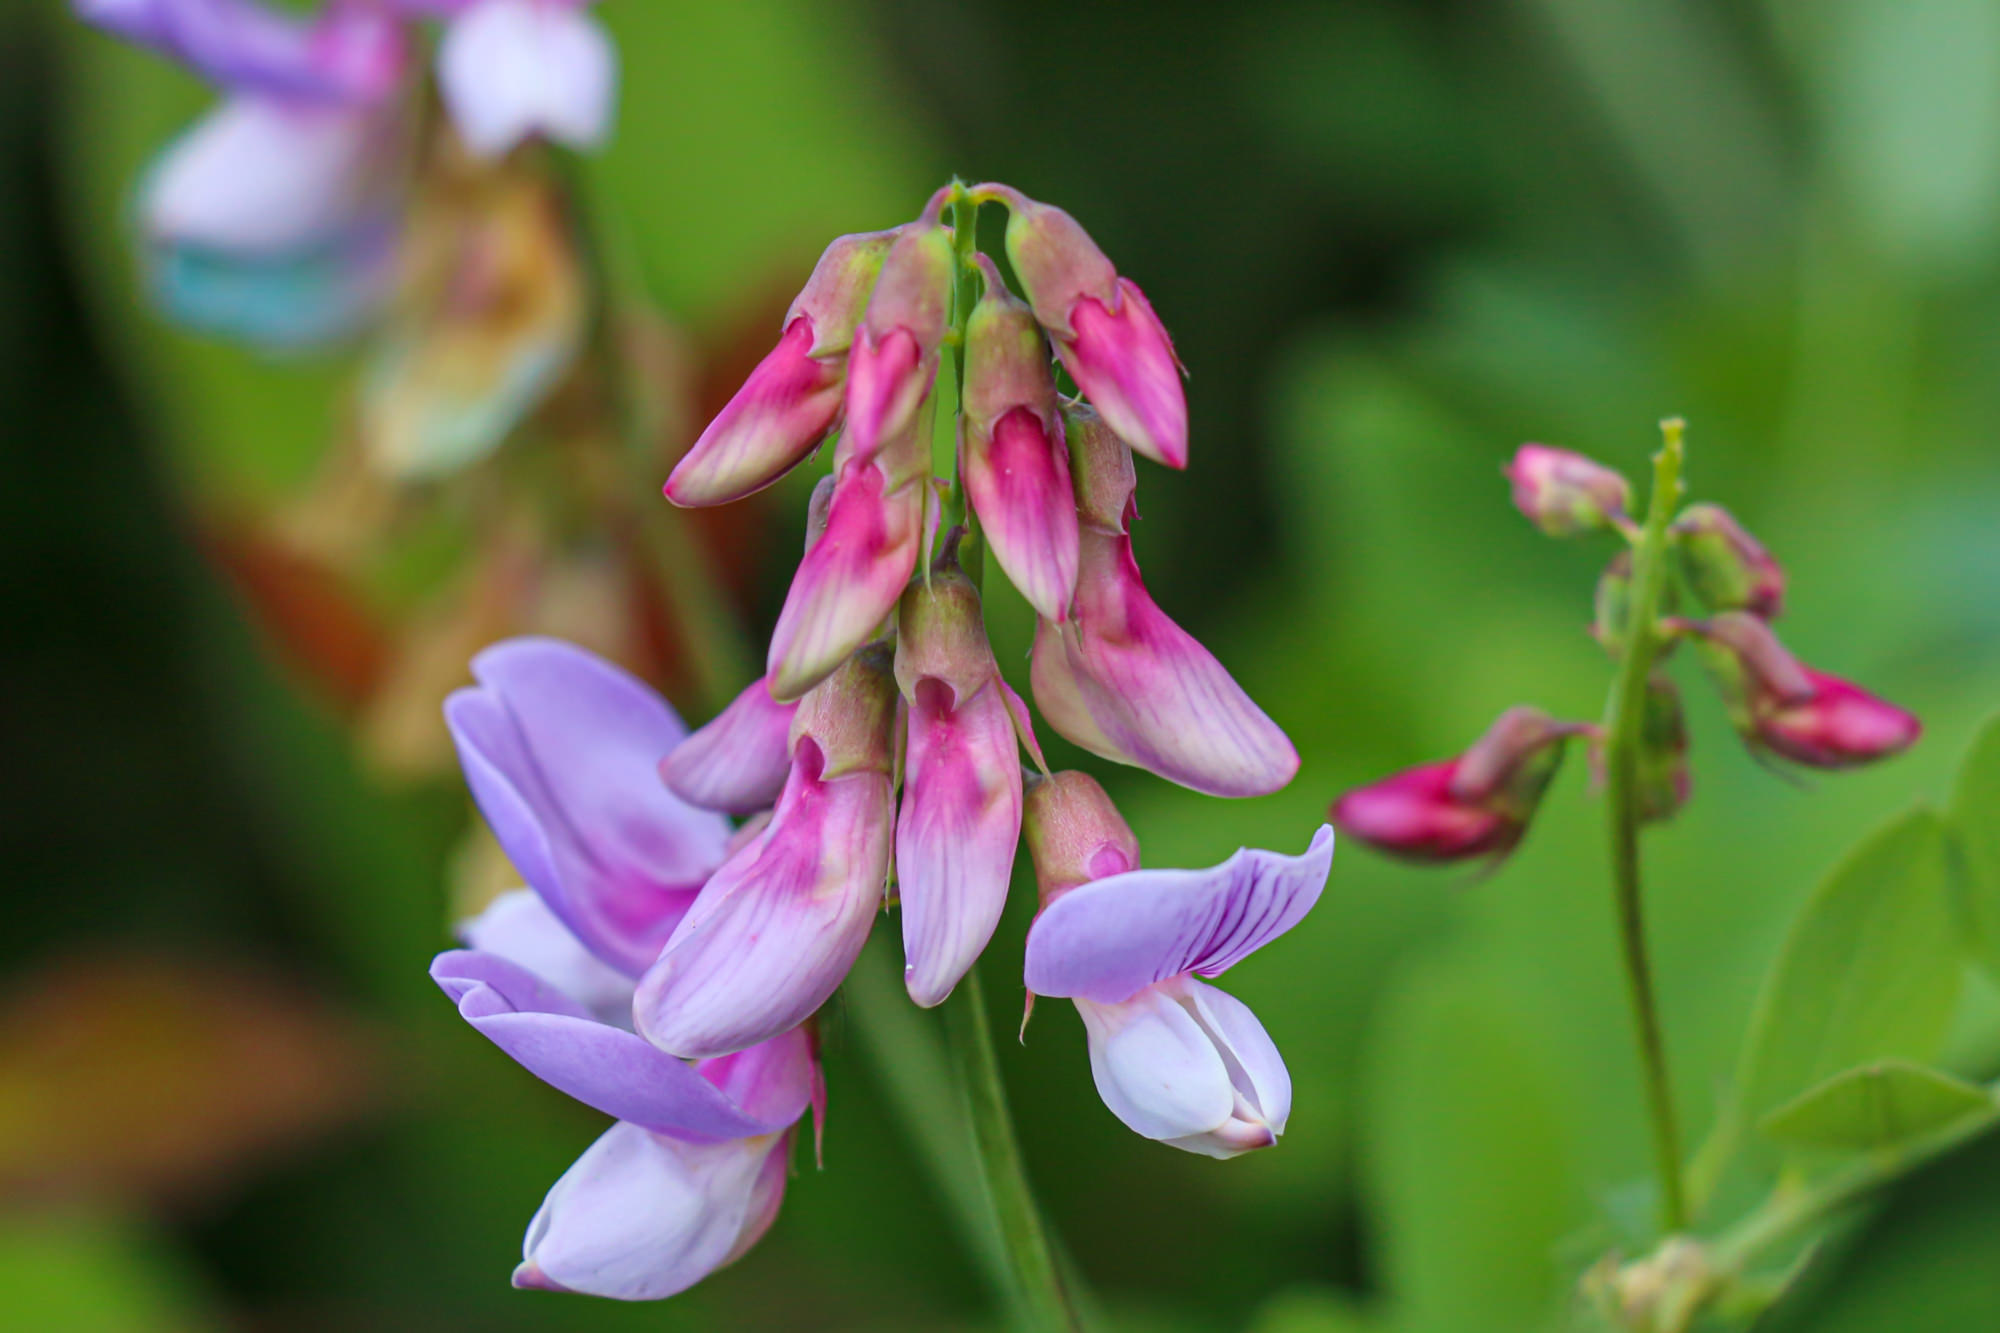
738 762
774 422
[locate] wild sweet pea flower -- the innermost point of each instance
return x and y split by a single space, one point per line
1110 341
1565 493
1174 1058
1476 804
1728 568
692 1174
776 928
274 218
961 810
561 750
1125 682
738 763
1014 459
793 400
1782 706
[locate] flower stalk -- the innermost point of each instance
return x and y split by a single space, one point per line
970 1037
1623 722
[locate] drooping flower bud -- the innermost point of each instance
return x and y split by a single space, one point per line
793 399
874 523
1476 804
1175 1059
777 927
893 365
1781 705
1106 333
1566 493
1101 469
961 807
1613 605
739 761
1727 567
1074 833
1015 461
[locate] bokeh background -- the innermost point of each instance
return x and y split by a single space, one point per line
1393 240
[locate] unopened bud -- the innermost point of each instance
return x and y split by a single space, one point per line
1074 833
1663 777
836 295
1781 705
1477 804
893 364
1101 470
1727 567
851 715
1566 493
941 635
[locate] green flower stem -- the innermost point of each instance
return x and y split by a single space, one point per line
1791 1210
969 1035
1623 720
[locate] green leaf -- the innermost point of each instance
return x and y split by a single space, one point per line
1870 970
1975 832
1875 1106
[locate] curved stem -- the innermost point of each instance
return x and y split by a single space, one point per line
1624 718
970 1037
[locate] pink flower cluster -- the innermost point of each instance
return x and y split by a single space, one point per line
1480 803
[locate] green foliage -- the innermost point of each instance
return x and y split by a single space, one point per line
1869 971
1974 821
1875 1106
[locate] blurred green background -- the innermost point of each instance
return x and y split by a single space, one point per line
1393 241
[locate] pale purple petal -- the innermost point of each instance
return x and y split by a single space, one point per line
262 177
641 1216
558 1041
738 762
350 54
512 69
1110 938
779 925
1255 1067
1125 682
956 833
560 749
519 927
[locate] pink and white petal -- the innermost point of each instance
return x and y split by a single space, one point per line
1110 938
956 833
512 69
777 927
1123 360
642 1216
775 420
738 762
1018 483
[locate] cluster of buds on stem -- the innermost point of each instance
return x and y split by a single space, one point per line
1480 803
879 760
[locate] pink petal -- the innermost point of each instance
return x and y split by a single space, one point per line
1018 483
1124 362
739 761
776 419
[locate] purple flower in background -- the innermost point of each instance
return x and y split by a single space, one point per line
511 70
692 1174
1176 1059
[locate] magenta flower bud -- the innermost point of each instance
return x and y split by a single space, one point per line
1781 705
1477 804
793 399
1566 493
1015 460
1106 333
855 570
1126 683
893 366
738 762
1727 567
1176 1060
961 809
778 926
